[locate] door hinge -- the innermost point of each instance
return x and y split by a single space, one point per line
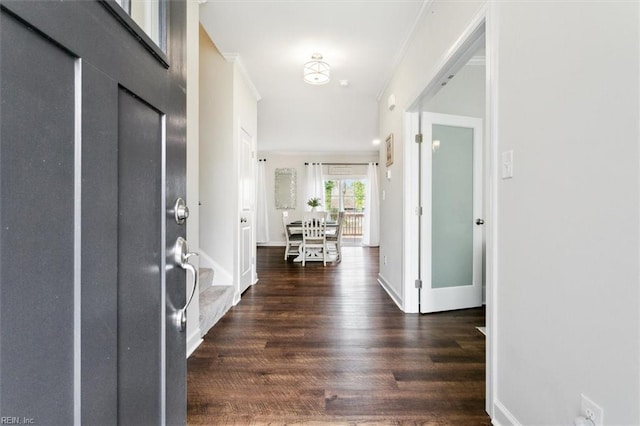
419 138
418 283
419 211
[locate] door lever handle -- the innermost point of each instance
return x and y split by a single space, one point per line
182 255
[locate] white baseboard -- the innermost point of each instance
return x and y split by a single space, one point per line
193 342
220 275
390 291
502 416
272 244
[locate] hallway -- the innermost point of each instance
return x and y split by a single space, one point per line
327 345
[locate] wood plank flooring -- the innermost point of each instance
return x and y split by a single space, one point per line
326 345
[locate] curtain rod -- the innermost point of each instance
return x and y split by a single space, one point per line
341 164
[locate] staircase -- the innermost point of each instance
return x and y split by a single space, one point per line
215 301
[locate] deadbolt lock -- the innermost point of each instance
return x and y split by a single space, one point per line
181 211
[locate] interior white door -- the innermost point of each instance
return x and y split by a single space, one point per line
247 198
451 231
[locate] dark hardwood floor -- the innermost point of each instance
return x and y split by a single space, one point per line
326 345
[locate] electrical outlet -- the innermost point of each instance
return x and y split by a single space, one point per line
591 410
384 260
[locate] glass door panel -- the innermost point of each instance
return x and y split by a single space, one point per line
347 195
452 206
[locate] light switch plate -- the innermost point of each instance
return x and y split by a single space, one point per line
507 165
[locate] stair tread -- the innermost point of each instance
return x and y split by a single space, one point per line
205 276
215 301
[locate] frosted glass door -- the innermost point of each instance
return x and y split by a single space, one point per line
451 235
452 206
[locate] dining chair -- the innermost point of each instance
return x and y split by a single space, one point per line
334 241
314 237
293 241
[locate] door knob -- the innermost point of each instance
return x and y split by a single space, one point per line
182 256
181 211
479 222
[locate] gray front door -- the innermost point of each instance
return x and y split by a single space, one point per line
92 157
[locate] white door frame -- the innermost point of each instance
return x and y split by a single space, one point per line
483 25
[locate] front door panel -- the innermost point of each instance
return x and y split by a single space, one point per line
139 259
36 224
92 149
99 257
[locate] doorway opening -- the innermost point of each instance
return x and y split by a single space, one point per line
456 98
474 48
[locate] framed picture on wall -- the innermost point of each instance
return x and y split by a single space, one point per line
389 144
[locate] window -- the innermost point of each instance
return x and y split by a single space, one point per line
150 17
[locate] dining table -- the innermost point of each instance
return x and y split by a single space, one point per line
295 227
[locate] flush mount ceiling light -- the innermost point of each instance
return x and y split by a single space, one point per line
316 71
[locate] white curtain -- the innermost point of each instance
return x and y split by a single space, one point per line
371 232
262 216
314 184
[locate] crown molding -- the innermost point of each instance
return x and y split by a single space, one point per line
399 56
237 60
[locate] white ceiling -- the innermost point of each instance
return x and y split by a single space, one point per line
361 40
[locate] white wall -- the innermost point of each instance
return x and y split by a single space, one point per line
438 29
567 299
193 119
296 160
218 171
463 95
245 104
228 103
567 296
283 126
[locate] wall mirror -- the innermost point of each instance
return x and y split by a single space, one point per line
285 187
